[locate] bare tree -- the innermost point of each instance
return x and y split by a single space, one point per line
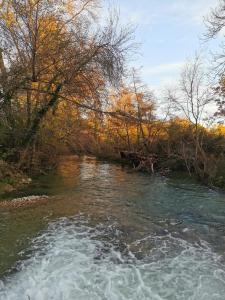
215 21
191 100
144 102
215 24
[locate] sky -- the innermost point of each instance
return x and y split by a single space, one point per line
169 32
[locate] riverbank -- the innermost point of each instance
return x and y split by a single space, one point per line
169 167
11 178
15 184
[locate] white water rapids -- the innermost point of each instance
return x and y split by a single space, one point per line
70 261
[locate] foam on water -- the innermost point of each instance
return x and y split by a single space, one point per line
70 261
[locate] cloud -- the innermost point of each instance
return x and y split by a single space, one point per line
190 11
162 76
154 12
136 15
163 69
168 31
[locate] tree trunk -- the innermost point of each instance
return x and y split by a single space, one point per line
35 124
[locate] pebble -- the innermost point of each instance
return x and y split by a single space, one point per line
18 202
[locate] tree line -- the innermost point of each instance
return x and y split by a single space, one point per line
65 87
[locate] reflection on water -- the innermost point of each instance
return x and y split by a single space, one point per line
110 233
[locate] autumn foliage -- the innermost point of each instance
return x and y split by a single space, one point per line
64 89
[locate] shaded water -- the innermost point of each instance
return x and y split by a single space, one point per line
110 233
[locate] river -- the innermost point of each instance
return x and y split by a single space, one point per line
111 233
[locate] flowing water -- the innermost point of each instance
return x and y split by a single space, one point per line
110 233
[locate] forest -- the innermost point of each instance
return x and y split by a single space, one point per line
66 86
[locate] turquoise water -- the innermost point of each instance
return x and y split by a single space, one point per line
110 233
